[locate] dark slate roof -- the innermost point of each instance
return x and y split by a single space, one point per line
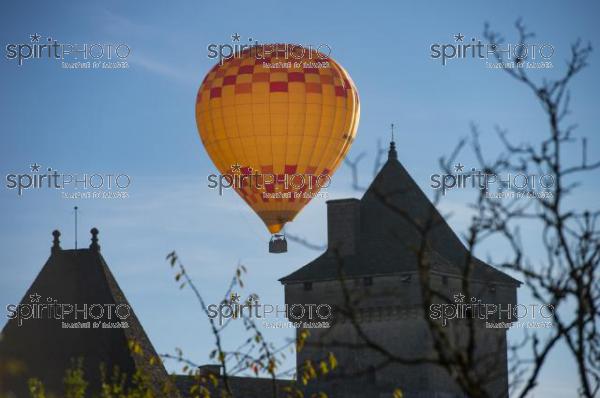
392 212
246 387
46 350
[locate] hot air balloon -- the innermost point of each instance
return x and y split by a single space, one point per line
282 115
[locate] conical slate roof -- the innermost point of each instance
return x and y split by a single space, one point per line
395 217
43 347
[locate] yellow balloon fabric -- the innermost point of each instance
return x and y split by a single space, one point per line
282 112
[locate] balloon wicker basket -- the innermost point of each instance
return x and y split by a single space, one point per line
278 244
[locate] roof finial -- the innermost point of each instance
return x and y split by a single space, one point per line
95 246
56 241
392 154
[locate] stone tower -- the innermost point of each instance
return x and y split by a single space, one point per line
377 246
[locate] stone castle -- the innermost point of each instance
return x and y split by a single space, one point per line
377 247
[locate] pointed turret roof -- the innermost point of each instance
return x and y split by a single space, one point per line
44 347
396 217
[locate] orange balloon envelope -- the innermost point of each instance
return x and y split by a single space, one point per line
278 119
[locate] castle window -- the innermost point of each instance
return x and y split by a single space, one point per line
405 278
367 281
493 288
307 285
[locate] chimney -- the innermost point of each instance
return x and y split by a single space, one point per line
205 370
343 226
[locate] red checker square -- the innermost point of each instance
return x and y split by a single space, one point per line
246 69
311 70
281 87
295 77
340 92
290 168
215 92
228 80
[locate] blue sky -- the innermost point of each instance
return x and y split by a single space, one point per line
140 121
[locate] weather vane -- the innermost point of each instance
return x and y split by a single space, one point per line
392 126
75 209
